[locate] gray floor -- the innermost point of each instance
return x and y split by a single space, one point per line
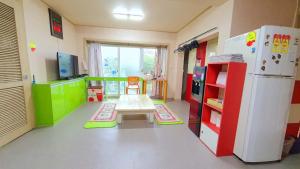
134 145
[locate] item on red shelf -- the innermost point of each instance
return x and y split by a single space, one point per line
95 94
215 118
222 77
215 102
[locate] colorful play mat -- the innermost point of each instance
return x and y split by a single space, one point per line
164 116
105 117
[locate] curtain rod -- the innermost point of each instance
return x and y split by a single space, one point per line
195 37
127 44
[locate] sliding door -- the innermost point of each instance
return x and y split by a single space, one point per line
130 64
124 61
15 86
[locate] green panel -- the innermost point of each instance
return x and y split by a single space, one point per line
58 102
95 124
42 104
109 78
118 79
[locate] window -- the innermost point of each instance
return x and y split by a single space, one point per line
149 60
124 61
110 67
130 61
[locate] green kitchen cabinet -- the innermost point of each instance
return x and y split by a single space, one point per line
55 100
58 102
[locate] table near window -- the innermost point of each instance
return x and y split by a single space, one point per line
162 87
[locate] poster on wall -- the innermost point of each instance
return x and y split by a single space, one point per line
55 24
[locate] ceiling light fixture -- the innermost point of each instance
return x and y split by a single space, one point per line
124 14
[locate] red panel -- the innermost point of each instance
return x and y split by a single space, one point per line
292 130
296 94
188 91
194 107
201 52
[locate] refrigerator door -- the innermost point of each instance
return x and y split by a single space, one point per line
277 51
239 45
269 107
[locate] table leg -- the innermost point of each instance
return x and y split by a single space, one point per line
151 117
144 90
165 97
119 118
160 86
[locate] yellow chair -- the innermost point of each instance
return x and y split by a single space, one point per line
133 83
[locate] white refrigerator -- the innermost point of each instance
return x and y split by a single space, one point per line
272 58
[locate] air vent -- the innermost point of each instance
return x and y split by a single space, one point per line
12 101
10 68
12 110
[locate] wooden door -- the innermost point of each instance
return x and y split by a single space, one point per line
16 116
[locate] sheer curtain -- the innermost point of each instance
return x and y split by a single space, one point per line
94 61
160 68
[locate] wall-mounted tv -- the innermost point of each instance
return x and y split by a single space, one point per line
67 66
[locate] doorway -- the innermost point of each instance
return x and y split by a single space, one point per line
185 73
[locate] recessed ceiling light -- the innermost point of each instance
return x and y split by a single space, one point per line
124 14
136 17
120 16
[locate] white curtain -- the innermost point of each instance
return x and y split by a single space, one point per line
95 60
160 67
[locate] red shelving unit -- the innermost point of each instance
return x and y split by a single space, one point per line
220 140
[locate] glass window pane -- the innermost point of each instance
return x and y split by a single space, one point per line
110 65
130 61
110 61
149 60
149 66
111 88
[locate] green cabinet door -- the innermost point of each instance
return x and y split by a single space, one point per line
68 89
82 92
58 103
77 94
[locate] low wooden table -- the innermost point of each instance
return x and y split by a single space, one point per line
135 104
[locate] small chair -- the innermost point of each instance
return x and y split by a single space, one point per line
133 83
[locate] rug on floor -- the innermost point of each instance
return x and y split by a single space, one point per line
105 117
164 116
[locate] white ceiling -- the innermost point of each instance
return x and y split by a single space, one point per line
160 15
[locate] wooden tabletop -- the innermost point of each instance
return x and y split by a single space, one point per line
134 103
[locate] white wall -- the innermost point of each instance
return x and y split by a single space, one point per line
129 36
218 16
43 61
250 15
211 48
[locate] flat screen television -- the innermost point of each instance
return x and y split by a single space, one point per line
67 65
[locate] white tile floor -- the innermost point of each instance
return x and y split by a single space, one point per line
134 145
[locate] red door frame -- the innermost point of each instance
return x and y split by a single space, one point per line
200 55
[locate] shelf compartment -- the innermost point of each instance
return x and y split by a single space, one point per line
212 126
214 107
216 85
